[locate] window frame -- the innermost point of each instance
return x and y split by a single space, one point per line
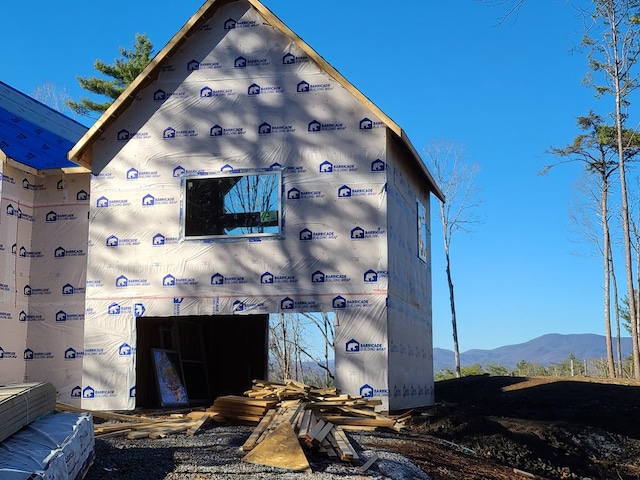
203 233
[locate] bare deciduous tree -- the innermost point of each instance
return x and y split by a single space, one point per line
291 356
456 179
53 97
327 331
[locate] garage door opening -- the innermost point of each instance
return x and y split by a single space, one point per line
218 355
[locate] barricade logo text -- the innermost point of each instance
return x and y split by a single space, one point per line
366 391
194 65
291 59
344 191
138 310
315 126
339 302
378 166
352 346
70 354
267 129
370 276
368 124
287 303
6 354
208 92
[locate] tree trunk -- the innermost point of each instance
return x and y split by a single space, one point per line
456 348
616 309
607 279
633 316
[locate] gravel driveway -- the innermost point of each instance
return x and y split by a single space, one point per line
215 453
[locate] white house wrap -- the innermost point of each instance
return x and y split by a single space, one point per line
234 98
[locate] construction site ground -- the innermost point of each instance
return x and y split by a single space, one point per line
481 428
487 427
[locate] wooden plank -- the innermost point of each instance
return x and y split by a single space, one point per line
64 407
198 425
347 452
111 434
313 432
236 399
115 427
197 414
361 411
292 412
257 432
280 449
373 459
329 451
229 409
304 424
163 432
358 428
251 419
366 422
320 436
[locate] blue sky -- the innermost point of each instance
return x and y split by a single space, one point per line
443 70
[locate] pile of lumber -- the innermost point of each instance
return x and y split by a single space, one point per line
239 409
313 431
22 403
144 426
326 404
316 418
290 420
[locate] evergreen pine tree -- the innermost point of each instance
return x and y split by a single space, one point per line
122 73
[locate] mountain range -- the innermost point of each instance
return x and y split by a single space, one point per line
546 350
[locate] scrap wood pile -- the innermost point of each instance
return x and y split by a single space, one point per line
143 426
293 416
289 419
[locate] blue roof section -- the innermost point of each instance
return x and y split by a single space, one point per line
34 134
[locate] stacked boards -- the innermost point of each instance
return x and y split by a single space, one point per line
38 443
292 419
22 403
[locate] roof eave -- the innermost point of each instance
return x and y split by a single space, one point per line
81 151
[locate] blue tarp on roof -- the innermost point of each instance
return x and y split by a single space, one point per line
33 134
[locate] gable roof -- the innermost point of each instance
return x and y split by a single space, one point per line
81 152
33 134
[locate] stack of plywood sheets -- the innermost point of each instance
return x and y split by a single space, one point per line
20 404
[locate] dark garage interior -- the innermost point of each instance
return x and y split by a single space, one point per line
218 355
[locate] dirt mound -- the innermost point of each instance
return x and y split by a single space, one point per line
511 427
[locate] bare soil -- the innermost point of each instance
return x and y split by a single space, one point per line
485 427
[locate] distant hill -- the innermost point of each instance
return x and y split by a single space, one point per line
545 350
